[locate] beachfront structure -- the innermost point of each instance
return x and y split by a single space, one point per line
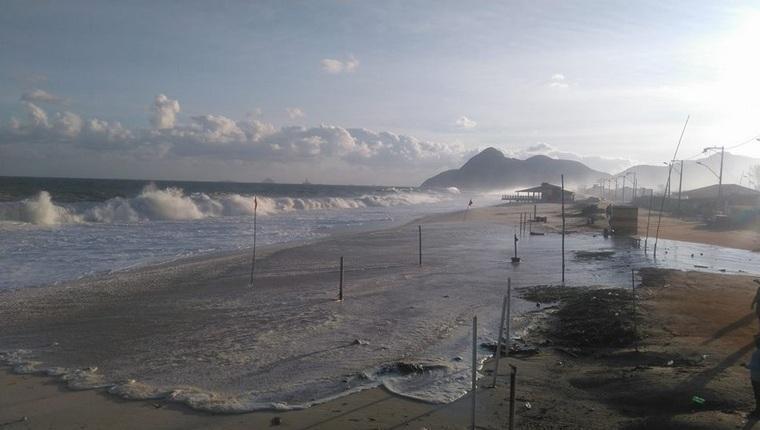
545 193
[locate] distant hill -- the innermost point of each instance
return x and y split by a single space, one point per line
490 170
737 169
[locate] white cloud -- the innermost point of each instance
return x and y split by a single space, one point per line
464 122
163 112
558 80
67 124
216 137
36 115
335 67
40 96
295 113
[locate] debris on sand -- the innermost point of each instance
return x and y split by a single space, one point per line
588 317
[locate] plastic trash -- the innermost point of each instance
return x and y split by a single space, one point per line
528 405
698 400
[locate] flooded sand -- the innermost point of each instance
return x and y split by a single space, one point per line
193 330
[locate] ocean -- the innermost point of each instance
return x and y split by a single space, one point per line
201 336
57 229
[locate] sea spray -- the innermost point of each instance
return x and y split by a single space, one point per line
173 204
39 210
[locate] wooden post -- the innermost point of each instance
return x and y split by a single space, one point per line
508 341
253 259
512 389
649 218
498 341
419 228
474 369
516 258
340 292
635 329
562 177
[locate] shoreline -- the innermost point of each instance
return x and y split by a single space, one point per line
478 216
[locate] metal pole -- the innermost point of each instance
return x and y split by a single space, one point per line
562 177
253 259
340 292
419 229
474 369
498 341
635 185
624 188
667 188
662 209
680 185
535 212
649 217
616 188
512 389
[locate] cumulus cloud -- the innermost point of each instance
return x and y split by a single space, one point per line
163 112
295 113
558 80
334 66
36 115
40 96
464 122
218 137
67 124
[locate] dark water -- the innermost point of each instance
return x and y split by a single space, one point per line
70 190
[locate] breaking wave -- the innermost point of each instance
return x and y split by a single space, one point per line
173 204
431 382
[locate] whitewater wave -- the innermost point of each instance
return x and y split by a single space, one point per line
431 382
173 204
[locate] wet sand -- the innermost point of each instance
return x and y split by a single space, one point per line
693 231
46 316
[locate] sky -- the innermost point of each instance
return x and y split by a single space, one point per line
360 92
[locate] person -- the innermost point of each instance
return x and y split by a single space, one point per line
754 375
756 301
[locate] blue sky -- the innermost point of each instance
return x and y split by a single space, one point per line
423 84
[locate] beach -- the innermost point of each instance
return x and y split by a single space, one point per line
203 349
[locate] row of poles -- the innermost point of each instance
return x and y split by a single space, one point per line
612 193
505 328
504 320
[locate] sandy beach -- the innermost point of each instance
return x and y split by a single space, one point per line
197 320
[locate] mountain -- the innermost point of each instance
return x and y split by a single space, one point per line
737 169
490 170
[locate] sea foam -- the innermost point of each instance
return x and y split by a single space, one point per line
173 204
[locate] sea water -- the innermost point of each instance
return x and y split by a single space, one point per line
60 229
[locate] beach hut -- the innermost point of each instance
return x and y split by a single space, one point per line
547 193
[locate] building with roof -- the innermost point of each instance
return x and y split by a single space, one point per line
546 193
